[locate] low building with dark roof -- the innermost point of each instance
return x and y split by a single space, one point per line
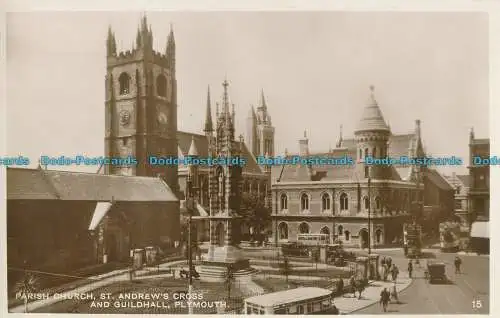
336 199
59 221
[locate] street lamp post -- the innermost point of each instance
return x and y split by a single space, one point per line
369 214
190 206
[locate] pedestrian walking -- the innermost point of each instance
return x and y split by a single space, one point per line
385 297
394 272
352 285
458 262
385 272
389 262
410 268
394 294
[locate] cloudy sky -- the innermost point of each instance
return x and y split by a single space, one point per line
315 69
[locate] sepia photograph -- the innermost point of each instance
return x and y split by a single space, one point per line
248 162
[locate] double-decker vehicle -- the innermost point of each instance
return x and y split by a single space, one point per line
412 240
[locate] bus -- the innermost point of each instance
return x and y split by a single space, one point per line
313 239
296 301
412 239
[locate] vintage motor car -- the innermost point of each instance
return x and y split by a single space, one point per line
436 271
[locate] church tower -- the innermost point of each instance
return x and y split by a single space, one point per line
372 136
260 131
141 105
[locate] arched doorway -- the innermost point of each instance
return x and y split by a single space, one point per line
363 236
219 234
325 230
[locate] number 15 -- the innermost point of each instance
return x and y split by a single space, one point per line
476 304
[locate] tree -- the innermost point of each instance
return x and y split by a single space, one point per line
229 279
285 268
253 210
28 285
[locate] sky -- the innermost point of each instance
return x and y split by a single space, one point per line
315 69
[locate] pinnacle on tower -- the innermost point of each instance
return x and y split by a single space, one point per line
193 151
262 103
209 127
111 42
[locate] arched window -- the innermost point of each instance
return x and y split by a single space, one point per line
325 202
367 203
366 152
340 229
377 203
347 235
161 85
284 202
283 231
378 236
374 152
325 230
303 228
304 202
344 202
124 80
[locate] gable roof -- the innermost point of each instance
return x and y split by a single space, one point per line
32 184
184 139
437 179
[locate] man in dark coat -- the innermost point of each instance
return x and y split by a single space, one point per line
384 298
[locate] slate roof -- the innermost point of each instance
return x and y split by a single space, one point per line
372 118
184 140
399 145
436 178
34 184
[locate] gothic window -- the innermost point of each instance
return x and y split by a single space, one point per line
377 203
366 152
283 231
374 152
284 201
303 228
457 191
161 85
347 235
344 202
325 202
340 229
367 203
124 81
304 202
360 154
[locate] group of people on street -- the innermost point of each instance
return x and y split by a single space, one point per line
388 267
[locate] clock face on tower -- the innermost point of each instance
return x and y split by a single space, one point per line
162 118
